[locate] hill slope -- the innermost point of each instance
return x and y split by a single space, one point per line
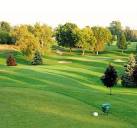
57 95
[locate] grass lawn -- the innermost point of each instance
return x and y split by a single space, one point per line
57 95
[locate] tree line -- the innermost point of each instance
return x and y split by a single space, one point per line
40 37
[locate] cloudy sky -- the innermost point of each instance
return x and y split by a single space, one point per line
81 12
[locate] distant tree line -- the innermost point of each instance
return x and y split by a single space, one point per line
40 37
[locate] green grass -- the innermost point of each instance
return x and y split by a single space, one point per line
65 95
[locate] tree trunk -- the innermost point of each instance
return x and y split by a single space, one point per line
70 50
97 53
122 51
83 52
110 91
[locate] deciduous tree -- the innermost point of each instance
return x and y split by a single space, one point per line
26 41
44 35
86 39
66 35
102 35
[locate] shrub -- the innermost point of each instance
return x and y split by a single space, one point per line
11 61
37 60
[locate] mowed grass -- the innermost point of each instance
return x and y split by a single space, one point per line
57 95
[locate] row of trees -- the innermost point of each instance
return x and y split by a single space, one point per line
32 38
88 38
94 38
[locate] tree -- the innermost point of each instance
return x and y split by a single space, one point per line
128 34
5 37
115 28
122 44
86 39
37 60
109 78
5 26
135 75
127 77
26 41
102 35
66 35
44 35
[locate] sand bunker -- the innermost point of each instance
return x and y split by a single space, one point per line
64 62
119 60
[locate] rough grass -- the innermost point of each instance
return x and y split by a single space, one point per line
58 95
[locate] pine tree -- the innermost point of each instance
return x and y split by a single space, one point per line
109 78
11 61
127 77
135 76
122 44
37 60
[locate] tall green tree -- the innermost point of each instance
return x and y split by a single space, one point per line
109 78
122 44
66 35
102 35
86 39
115 28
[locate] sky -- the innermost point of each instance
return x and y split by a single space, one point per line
81 12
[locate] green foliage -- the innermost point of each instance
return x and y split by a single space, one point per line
127 77
135 75
115 28
66 35
37 59
102 35
44 34
26 41
30 39
122 44
128 34
5 26
109 78
86 39
5 37
131 35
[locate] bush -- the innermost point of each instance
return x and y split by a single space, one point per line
37 60
11 61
